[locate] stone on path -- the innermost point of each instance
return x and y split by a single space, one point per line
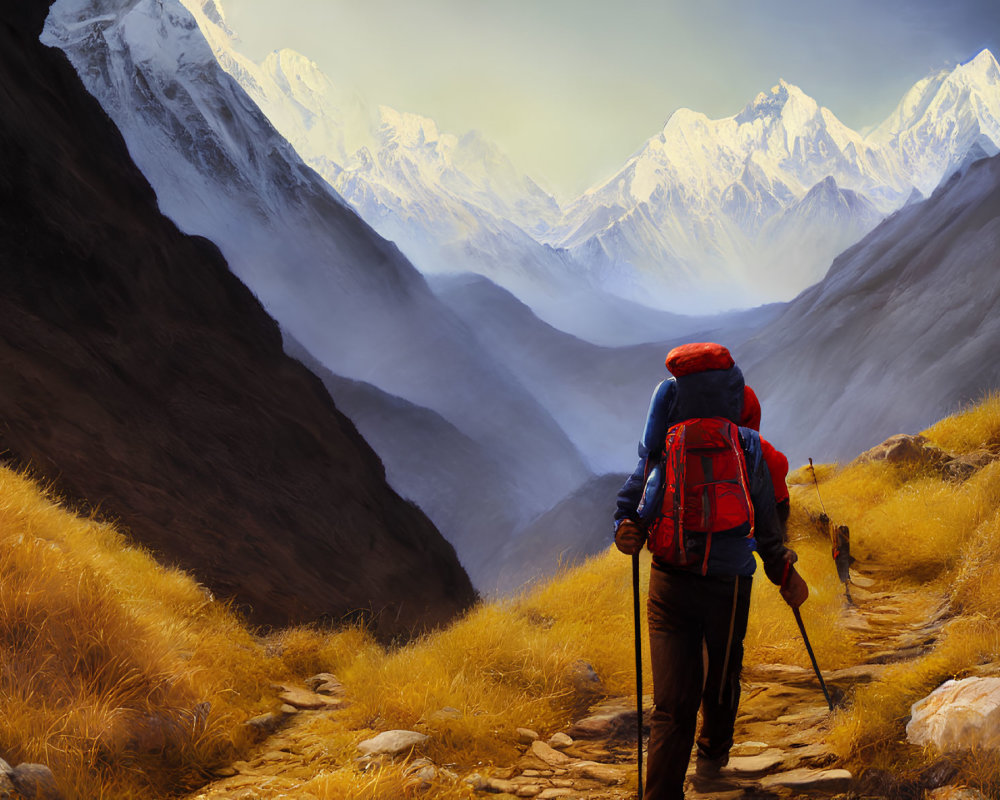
958 715
325 683
305 699
605 721
266 724
476 781
602 773
392 743
828 780
500 786
560 740
547 754
752 765
555 792
857 579
749 748
526 735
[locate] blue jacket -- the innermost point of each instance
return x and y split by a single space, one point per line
713 393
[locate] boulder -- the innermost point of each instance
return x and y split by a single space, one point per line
905 449
35 781
958 715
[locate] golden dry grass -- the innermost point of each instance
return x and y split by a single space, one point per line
107 657
975 428
940 537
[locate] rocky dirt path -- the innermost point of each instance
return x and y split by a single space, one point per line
781 734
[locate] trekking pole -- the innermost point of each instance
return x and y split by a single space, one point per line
812 469
822 683
638 664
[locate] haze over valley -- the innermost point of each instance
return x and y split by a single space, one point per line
497 347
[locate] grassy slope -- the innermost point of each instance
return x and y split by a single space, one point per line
105 656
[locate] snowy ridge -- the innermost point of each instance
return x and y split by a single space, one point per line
220 170
708 214
942 117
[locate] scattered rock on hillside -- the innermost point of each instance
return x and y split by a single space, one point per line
392 743
7 790
962 467
422 772
956 793
35 781
917 450
905 449
586 682
958 715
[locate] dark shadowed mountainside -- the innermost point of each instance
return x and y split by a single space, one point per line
145 380
903 330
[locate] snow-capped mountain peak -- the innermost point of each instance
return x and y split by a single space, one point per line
982 69
784 101
941 117
406 129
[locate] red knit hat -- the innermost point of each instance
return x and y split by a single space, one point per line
698 357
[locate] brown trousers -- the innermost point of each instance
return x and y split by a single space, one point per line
689 615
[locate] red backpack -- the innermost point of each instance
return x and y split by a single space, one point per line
706 490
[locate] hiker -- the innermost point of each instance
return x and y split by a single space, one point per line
699 587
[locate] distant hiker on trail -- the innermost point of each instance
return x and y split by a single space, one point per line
703 499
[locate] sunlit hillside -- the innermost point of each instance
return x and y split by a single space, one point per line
130 681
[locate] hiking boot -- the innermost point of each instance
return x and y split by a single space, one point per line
705 767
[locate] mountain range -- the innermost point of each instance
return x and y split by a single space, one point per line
143 383
345 295
709 214
486 410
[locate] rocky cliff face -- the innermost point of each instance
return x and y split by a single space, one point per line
146 381
902 330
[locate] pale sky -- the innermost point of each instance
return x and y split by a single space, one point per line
570 89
